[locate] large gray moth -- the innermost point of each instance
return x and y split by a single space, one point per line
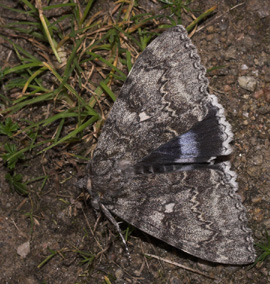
157 163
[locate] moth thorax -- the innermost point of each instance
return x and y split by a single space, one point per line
125 167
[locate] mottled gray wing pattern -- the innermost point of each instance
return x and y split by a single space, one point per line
164 95
196 211
164 104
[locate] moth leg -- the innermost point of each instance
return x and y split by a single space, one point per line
108 214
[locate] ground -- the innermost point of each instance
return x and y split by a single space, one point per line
60 222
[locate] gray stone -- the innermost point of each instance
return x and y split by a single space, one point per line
247 82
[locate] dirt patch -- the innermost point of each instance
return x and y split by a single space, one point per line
58 221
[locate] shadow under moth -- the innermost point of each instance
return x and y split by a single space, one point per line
157 163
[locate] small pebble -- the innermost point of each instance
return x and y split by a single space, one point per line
24 249
266 91
119 273
247 82
258 94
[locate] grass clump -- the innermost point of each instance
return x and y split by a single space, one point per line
264 250
70 61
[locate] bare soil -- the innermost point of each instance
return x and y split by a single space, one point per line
59 220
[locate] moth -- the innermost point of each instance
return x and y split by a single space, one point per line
159 162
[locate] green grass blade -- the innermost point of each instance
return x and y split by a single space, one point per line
56 6
59 130
129 63
62 115
86 11
29 5
32 77
19 68
22 50
73 133
69 88
200 18
108 90
32 101
99 57
18 10
52 43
